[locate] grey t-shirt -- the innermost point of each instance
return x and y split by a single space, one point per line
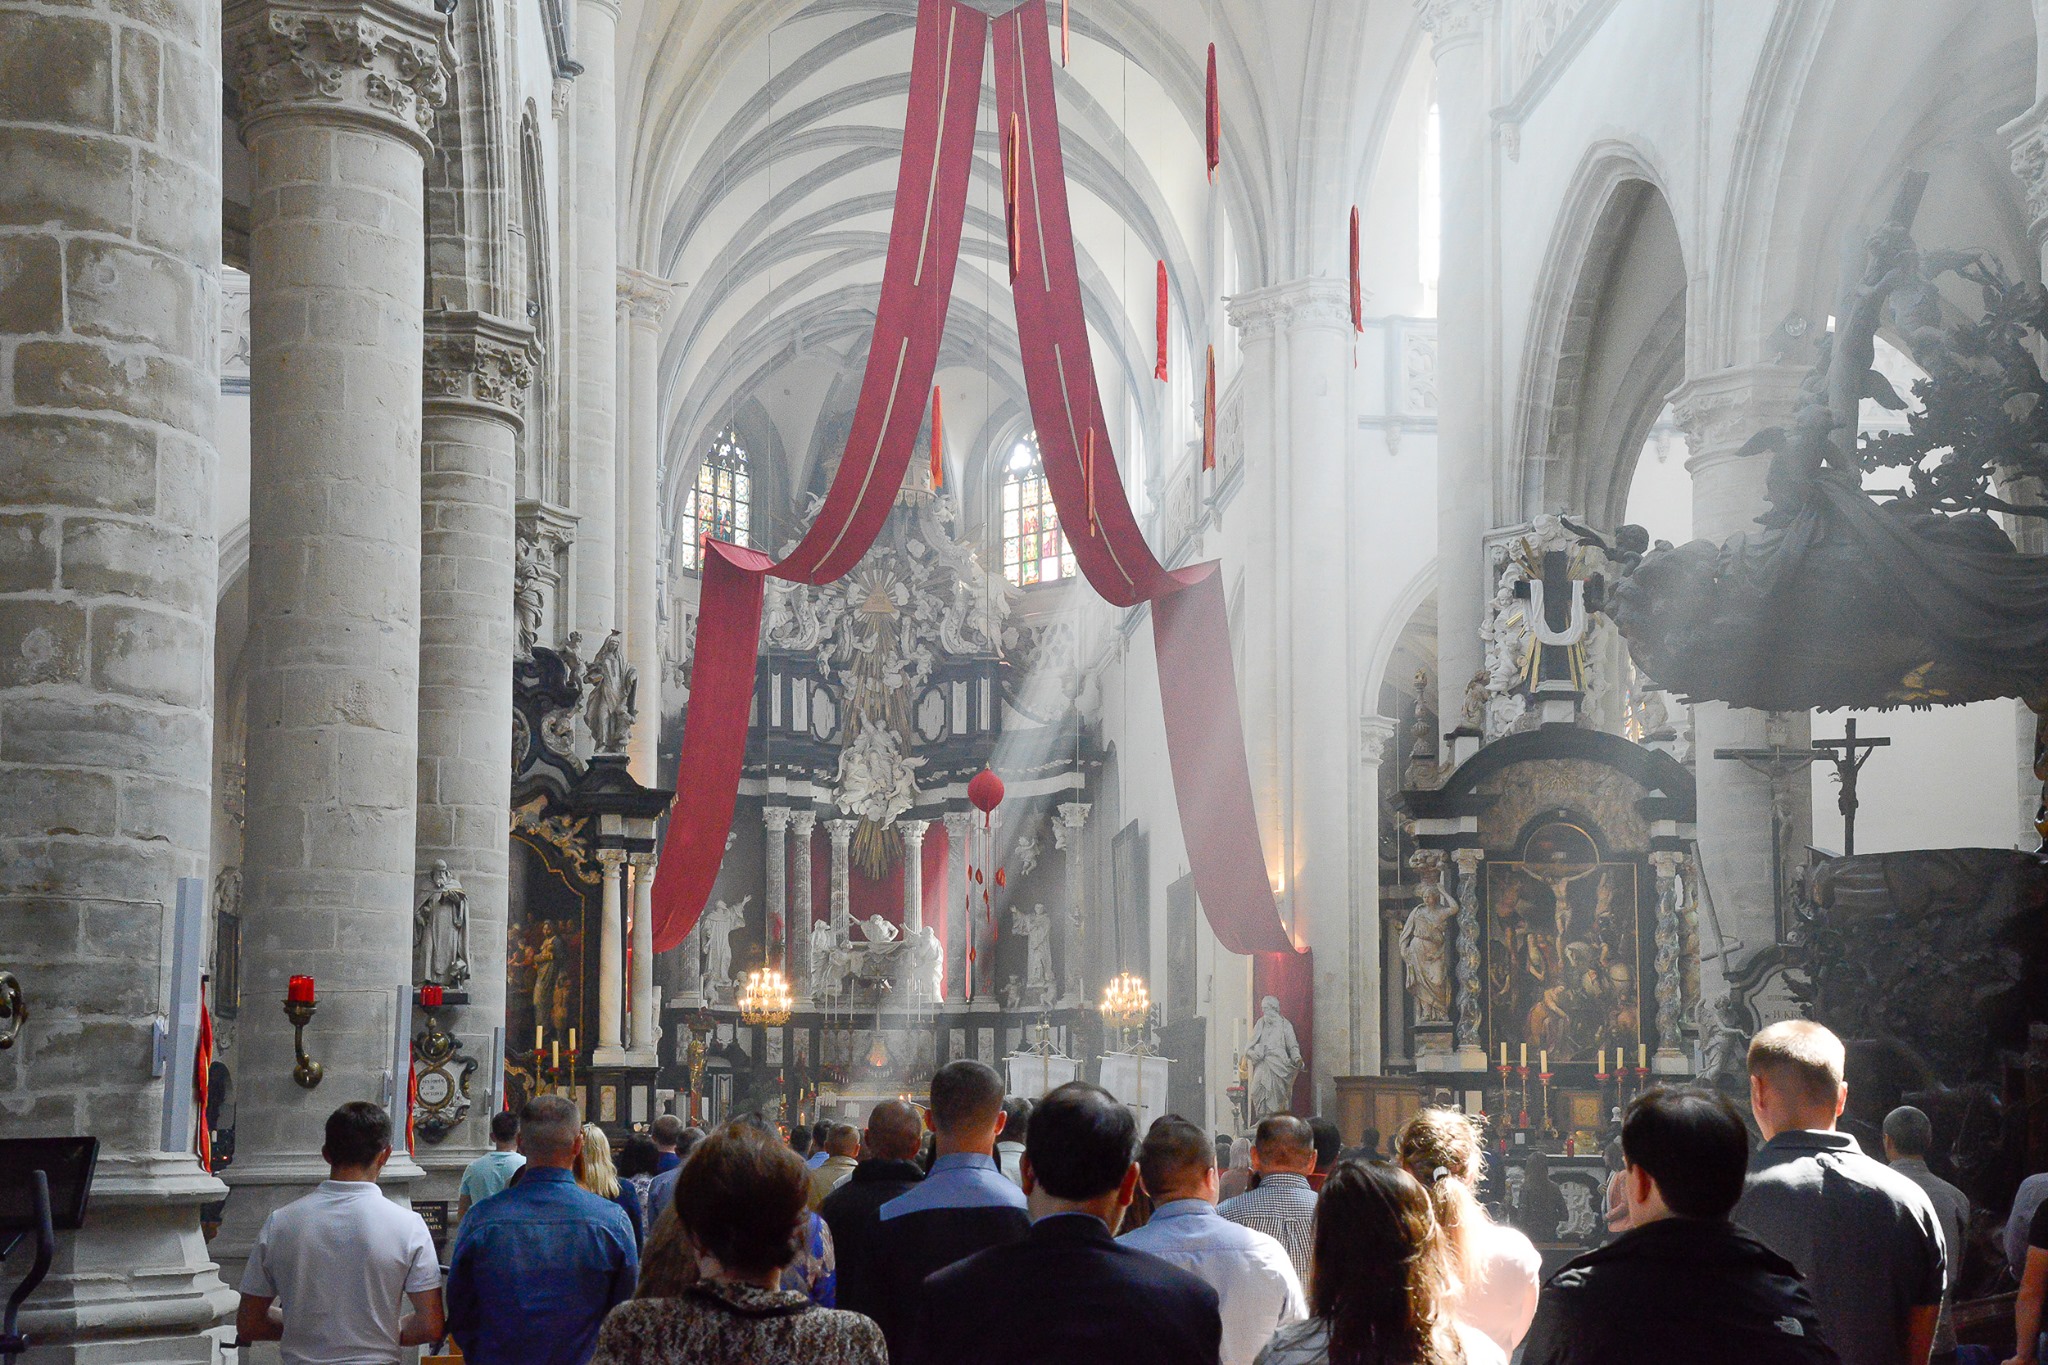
1865 1237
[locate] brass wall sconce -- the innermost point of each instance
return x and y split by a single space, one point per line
299 1005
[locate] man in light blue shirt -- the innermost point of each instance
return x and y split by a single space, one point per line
1248 1269
492 1171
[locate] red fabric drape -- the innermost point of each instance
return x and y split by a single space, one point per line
1159 367
1209 412
917 285
1213 119
202 1079
1066 29
938 441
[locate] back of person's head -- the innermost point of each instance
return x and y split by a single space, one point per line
594 1169
1441 1149
638 1156
1080 1142
895 1131
820 1130
667 1265
1328 1141
843 1140
1173 1159
966 1097
1802 1061
1378 1279
1692 1142
357 1134
548 1129
1016 1118
1909 1131
1284 1142
800 1141
741 1197
1224 1144
1370 1142
666 1130
504 1127
687 1143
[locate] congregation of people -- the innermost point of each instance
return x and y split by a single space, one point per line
986 1227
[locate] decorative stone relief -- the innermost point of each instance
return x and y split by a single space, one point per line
475 359
2030 164
1538 26
1450 21
1418 370
381 61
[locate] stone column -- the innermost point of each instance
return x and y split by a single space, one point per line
611 965
1719 412
1670 1058
1471 1041
958 823
642 300
1071 940
590 259
109 380
689 976
776 820
335 101
477 368
913 873
841 833
803 824
1466 383
1367 1042
640 976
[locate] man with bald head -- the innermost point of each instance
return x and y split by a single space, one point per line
1283 1206
895 1132
1865 1237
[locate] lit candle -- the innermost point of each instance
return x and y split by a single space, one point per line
1525 1054
1543 1061
1602 1071
1503 1054
558 1054
1642 1056
572 1040
299 990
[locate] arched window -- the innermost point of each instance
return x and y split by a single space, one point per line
721 505
1035 550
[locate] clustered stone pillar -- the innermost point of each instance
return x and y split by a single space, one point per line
1471 1043
776 821
642 300
477 368
611 960
1374 734
1465 100
913 874
335 103
958 824
841 833
1073 926
109 380
646 1033
590 331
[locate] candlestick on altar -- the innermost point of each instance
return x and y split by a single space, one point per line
1549 1126
1507 1102
1522 1117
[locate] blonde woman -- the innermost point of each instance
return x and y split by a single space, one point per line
596 1173
1497 1268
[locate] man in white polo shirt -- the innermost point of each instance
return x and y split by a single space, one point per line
340 1264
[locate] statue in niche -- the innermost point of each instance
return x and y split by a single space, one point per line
1472 714
529 598
720 921
927 964
1013 994
1426 952
878 930
1036 926
1724 1047
1275 1057
611 704
440 934
828 958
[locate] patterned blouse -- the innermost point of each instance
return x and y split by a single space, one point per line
721 1323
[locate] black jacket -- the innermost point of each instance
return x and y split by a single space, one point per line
911 1246
1068 1293
853 1212
1680 1291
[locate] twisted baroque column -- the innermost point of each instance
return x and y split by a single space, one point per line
1368 962
776 819
1670 975
1471 1047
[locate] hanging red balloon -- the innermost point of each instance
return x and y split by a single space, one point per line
985 790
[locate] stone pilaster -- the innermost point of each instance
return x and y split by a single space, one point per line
590 262
958 936
646 1035
913 873
776 820
1471 1044
476 371
110 240
1073 931
643 298
803 824
335 102
611 961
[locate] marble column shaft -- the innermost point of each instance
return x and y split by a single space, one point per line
1367 940
590 260
109 384
335 101
776 821
958 824
646 1034
841 833
611 960
642 300
803 824
477 368
913 874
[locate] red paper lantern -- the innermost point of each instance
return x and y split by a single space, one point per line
985 790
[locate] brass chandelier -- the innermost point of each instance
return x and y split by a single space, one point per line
1125 1001
765 998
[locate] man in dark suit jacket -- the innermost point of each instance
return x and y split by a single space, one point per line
853 1211
1069 1291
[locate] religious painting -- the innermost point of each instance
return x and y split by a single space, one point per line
546 975
1566 955
1131 869
801 1047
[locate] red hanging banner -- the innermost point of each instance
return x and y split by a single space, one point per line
1209 414
1357 287
938 440
1065 31
917 285
1010 198
1159 309
202 1080
1213 120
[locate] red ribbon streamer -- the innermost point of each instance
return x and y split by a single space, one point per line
938 440
1065 5
1214 121
1209 414
202 1080
1010 198
1357 288
1159 367
1088 473
917 284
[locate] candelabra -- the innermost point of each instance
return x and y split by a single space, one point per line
1125 1003
765 998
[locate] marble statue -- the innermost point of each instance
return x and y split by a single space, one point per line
1426 952
1013 994
529 598
440 935
719 923
1724 1047
1472 715
611 703
828 959
1275 1056
878 930
927 964
1036 926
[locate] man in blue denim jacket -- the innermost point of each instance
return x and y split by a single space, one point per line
537 1267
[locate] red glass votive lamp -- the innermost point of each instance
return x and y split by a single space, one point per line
299 990
431 997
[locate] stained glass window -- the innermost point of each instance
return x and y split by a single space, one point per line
721 505
1035 550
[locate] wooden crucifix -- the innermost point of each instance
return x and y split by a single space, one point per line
1848 754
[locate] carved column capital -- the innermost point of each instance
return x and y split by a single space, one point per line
1262 313
644 298
478 364
376 63
2027 135
1667 862
841 833
958 823
1468 860
803 822
913 832
1374 734
1721 410
776 818
610 859
1452 22
1073 815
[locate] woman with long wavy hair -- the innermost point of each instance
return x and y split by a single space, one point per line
1497 1268
1380 1289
